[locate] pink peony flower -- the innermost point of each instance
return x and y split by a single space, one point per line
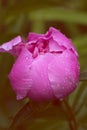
46 67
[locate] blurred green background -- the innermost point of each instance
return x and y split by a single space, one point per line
19 17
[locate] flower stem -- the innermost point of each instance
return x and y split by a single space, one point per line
26 112
69 113
19 116
71 116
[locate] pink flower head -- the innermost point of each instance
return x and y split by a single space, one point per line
46 67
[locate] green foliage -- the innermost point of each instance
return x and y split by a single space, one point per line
18 17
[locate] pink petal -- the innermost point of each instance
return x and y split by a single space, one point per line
63 73
41 90
12 46
54 47
20 76
34 37
57 41
61 39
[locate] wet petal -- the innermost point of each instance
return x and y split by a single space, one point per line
34 37
12 46
41 89
20 76
63 74
61 39
54 47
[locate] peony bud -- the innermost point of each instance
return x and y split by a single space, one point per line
46 67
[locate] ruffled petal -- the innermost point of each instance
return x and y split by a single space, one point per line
61 39
57 41
54 47
20 76
63 74
34 37
13 47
